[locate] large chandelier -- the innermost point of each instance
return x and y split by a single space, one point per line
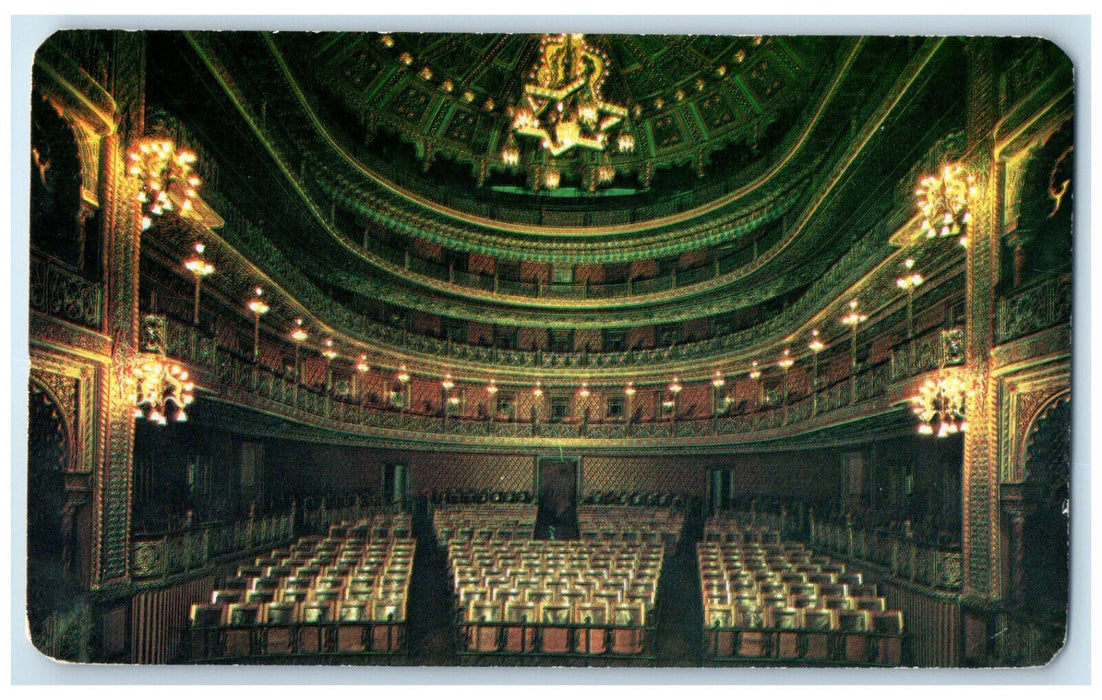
162 388
943 201
939 405
562 109
166 178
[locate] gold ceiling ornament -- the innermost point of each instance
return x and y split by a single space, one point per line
563 111
939 406
944 202
162 389
166 178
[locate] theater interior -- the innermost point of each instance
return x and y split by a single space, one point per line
427 349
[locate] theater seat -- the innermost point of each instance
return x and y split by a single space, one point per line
590 637
520 638
888 629
854 625
555 639
627 637
354 623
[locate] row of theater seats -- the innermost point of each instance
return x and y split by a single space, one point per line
631 524
555 597
457 496
779 600
503 521
633 498
345 593
725 529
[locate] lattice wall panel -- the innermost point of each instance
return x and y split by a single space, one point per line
654 474
440 471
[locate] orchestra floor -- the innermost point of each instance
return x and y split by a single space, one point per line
432 637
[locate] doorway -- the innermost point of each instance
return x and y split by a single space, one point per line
557 486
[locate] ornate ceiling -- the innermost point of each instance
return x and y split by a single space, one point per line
451 97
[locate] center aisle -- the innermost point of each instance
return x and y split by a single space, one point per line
680 633
431 626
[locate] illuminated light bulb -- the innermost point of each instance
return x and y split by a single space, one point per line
447 383
491 388
403 375
630 389
537 390
675 386
925 429
362 365
786 360
181 417
718 381
755 373
584 391
816 345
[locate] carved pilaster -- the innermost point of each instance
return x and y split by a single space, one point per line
980 481
123 233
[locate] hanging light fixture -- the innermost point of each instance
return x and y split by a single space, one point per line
584 391
165 175
447 382
718 381
403 374
491 388
939 406
329 353
630 389
944 202
361 365
537 390
675 386
162 388
755 373
563 111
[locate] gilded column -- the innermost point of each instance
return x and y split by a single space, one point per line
980 475
122 226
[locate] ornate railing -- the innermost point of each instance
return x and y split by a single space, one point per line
157 555
927 564
927 352
1035 308
65 294
240 381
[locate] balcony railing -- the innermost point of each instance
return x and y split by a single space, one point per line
241 381
924 563
1034 308
65 294
157 555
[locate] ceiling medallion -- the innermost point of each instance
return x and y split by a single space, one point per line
562 110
